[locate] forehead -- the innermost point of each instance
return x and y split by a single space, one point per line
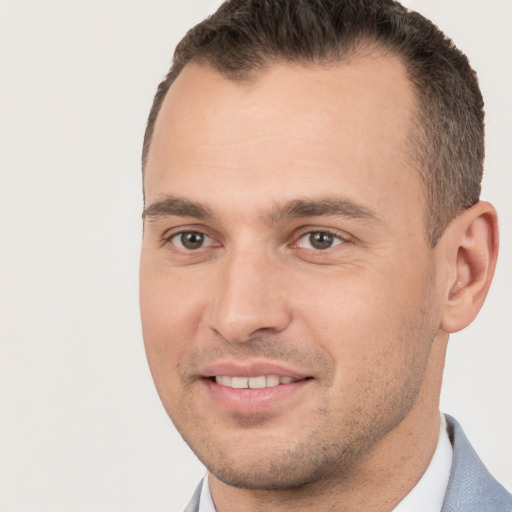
290 130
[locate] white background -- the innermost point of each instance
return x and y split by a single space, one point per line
81 427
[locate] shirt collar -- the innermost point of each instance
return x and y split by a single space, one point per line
205 501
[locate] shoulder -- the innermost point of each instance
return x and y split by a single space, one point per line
471 487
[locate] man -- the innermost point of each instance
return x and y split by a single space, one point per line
312 235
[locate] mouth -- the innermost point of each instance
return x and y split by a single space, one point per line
254 388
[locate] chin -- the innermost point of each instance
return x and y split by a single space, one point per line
268 476
275 466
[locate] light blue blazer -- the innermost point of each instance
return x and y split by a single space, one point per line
471 487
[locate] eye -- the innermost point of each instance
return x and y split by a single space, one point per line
190 240
319 240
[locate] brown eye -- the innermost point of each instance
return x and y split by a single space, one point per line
319 240
190 240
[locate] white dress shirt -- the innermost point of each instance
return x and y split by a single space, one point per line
426 496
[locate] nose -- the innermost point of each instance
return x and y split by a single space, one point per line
250 298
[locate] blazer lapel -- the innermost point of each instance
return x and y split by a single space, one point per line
471 487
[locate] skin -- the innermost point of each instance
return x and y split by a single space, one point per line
365 319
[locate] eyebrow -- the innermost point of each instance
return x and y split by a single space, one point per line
295 209
326 206
177 206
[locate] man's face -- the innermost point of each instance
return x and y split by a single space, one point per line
287 294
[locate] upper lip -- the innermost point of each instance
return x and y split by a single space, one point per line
250 369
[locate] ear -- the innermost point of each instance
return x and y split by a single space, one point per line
471 247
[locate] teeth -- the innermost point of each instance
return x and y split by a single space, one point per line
239 382
260 382
272 380
225 381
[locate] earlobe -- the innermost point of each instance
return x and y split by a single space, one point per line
471 249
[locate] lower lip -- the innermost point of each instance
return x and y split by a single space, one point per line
252 401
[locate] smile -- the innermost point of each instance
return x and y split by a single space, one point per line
253 387
259 382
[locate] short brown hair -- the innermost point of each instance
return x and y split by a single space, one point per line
447 141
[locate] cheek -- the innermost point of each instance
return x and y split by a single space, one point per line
365 320
169 315
380 342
